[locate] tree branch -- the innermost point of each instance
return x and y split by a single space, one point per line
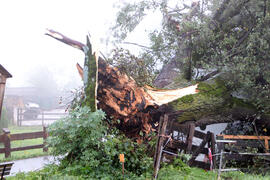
60 37
204 78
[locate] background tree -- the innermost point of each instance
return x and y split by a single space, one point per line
209 36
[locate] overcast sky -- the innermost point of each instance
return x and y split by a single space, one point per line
24 47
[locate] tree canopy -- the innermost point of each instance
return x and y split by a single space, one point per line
227 37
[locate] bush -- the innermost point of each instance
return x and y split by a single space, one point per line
91 149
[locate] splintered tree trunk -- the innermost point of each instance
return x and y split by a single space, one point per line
119 96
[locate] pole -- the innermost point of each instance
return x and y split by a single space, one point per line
220 164
2 91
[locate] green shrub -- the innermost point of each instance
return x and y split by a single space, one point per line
91 149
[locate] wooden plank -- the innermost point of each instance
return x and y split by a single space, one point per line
45 136
157 143
201 164
22 136
27 147
199 134
7 142
243 137
198 150
160 145
181 145
190 138
8 164
183 128
2 150
213 149
7 169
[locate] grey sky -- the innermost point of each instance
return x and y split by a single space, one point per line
24 47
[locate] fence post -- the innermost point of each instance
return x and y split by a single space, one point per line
190 137
7 142
213 149
45 135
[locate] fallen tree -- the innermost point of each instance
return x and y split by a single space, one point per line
119 96
136 110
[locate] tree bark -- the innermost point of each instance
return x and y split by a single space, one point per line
137 108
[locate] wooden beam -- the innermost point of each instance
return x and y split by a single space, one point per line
160 145
190 137
198 150
2 91
244 137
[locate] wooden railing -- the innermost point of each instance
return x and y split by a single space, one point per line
6 139
243 137
169 145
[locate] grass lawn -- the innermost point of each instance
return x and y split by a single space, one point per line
200 174
28 142
167 173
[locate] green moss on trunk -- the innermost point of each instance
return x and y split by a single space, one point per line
213 99
90 77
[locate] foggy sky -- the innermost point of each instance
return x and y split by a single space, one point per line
24 47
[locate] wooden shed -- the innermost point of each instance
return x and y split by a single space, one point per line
4 74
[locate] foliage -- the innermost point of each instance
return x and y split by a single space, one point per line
130 15
229 36
90 79
141 69
91 149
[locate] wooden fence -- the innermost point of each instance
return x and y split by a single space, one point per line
6 139
40 117
244 150
174 137
256 143
238 151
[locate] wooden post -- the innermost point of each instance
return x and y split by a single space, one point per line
213 149
190 137
159 149
7 142
266 145
220 164
2 91
45 136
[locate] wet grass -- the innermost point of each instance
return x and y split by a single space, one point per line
53 172
200 174
28 142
